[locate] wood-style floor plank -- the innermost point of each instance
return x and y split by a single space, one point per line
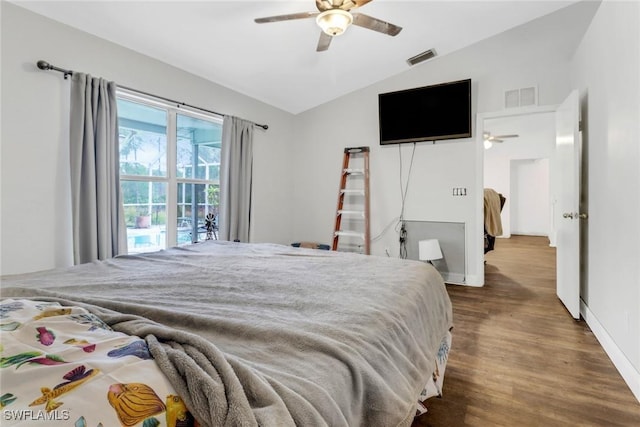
519 359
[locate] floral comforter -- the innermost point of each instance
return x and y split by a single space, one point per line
63 366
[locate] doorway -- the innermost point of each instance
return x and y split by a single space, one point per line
521 167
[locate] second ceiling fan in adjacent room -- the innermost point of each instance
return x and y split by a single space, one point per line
490 139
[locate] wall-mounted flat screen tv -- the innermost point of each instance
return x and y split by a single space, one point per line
428 113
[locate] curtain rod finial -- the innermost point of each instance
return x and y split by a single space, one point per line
44 65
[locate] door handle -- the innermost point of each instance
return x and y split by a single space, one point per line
568 215
583 216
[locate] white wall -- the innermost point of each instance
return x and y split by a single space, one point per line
499 63
35 198
606 70
535 141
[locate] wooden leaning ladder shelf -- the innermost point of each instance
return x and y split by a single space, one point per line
362 210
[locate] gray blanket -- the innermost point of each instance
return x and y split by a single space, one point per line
269 335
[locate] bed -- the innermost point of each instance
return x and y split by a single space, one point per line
225 334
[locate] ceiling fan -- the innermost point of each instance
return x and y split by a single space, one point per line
490 139
334 16
497 138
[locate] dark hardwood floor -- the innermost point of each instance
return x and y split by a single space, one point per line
519 359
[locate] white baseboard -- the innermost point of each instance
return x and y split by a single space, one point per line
626 369
530 233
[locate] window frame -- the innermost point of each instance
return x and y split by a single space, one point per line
171 179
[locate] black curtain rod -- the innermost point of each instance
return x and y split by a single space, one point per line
44 65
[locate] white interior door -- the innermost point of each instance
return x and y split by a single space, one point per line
568 155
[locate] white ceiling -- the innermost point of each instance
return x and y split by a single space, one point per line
277 62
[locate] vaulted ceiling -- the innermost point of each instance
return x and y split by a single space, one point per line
277 63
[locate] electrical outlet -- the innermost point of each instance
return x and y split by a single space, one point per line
459 191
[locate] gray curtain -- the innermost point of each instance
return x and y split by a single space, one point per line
99 230
235 179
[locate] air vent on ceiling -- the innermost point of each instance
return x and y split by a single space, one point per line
522 97
428 54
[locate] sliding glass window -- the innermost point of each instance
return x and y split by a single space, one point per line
169 172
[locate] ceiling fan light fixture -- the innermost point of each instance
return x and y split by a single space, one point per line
334 21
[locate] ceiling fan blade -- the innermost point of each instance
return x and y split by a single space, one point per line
491 138
323 42
289 17
375 24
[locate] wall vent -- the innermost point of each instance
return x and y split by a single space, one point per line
523 97
428 54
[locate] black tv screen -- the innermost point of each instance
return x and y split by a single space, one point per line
428 113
